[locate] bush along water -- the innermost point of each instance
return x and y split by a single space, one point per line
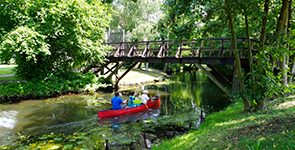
51 86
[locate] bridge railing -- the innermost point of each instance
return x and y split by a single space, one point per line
218 47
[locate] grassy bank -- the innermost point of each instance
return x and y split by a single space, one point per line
272 128
49 87
6 69
12 90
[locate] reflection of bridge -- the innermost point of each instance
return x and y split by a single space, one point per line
210 52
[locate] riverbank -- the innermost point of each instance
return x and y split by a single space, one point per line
12 90
272 128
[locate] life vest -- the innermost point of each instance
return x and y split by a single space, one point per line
131 104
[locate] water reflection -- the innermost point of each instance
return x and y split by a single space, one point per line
181 101
66 114
192 90
7 123
7 119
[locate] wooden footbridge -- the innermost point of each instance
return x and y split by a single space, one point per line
210 52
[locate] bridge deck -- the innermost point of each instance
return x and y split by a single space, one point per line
212 51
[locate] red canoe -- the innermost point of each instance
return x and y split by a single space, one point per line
155 100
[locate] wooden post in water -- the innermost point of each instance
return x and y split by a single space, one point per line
107 144
102 69
131 146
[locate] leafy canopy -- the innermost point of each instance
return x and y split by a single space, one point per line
137 18
48 36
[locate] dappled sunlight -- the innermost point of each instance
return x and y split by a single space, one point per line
287 104
181 142
257 119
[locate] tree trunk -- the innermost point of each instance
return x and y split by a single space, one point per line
263 33
235 80
250 56
282 18
261 102
165 68
237 58
292 58
281 25
292 71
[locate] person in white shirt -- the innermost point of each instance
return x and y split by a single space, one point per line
144 97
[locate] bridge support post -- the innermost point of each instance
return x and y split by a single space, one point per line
215 70
115 72
214 80
102 69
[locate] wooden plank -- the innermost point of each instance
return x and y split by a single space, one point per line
145 50
109 69
116 70
118 50
199 52
220 85
131 50
178 53
225 79
220 53
161 50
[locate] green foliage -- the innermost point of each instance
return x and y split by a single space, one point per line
224 69
137 18
169 67
53 85
232 129
58 141
46 37
206 19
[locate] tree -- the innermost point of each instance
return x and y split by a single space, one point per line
47 37
137 18
252 19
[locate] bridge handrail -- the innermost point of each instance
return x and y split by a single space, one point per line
196 48
138 42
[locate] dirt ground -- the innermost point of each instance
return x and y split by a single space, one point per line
138 77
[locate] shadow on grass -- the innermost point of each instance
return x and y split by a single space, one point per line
231 129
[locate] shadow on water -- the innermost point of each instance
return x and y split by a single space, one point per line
183 100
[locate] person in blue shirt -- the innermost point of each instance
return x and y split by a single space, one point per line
117 101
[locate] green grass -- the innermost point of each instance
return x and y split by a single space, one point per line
9 78
272 128
6 69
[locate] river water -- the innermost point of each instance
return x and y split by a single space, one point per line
187 92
